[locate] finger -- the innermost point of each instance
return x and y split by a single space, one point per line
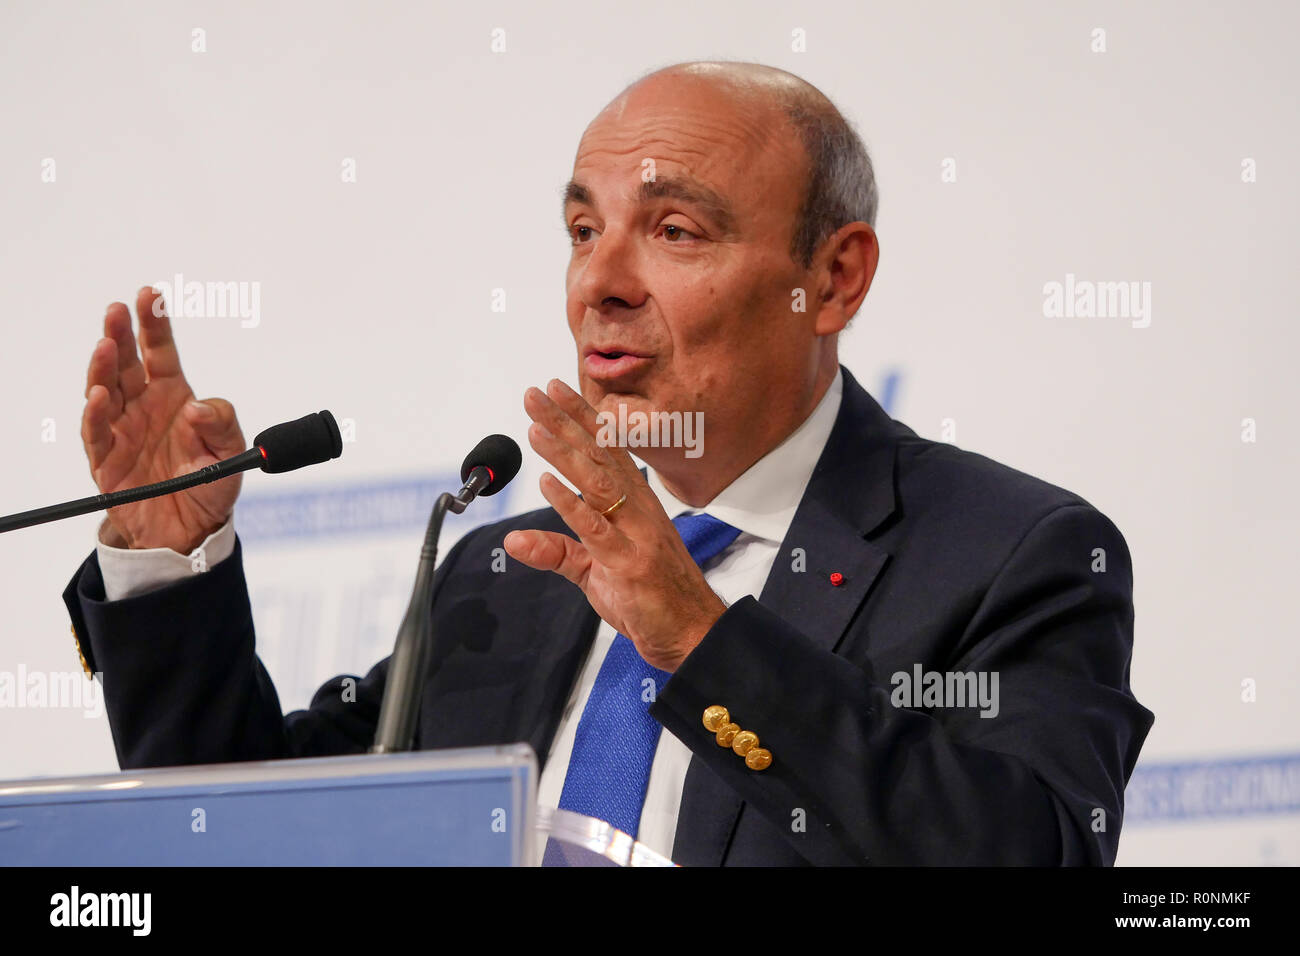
130 372
604 542
587 468
550 551
577 408
214 421
102 371
156 344
574 405
544 410
567 445
96 430
581 426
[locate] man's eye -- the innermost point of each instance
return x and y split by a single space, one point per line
580 234
674 233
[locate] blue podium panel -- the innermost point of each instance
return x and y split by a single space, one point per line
471 807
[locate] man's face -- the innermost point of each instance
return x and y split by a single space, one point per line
679 288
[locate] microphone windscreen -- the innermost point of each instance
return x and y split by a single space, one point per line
500 455
309 440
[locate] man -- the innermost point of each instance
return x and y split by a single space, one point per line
800 607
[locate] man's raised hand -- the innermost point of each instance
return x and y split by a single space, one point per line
141 424
633 566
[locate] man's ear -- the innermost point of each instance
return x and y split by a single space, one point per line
846 264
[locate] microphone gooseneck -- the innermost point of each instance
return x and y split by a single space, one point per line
487 469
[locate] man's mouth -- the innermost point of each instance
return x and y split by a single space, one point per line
613 362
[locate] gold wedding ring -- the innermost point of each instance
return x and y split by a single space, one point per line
614 507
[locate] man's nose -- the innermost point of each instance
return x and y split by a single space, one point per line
611 275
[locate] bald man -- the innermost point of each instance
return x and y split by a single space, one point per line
810 638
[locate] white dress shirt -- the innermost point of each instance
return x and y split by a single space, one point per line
761 503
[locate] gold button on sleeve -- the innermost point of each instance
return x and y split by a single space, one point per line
715 718
727 733
744 742
80 656
758 759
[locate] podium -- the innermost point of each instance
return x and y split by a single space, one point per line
468 807
464 807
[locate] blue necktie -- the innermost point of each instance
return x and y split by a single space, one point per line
616 738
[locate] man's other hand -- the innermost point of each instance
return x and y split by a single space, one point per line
141 424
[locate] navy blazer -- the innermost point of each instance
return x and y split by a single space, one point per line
950 562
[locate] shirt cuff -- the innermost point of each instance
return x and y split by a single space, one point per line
127 572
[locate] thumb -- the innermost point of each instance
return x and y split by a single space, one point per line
213 419
549 551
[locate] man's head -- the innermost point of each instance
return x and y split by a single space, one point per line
721 218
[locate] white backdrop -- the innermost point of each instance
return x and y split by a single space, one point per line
1016 145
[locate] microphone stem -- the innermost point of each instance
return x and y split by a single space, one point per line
70 509
478 479
410 661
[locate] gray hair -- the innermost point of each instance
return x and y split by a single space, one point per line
841 184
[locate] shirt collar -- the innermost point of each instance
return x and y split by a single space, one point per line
763 500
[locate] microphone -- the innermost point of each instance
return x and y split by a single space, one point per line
309 440
492 464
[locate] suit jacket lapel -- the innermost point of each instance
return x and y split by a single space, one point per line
850 494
